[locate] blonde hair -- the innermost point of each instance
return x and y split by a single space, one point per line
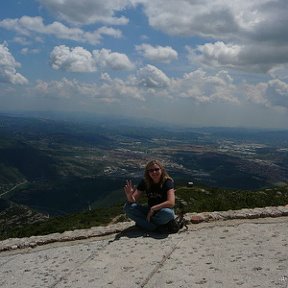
164 175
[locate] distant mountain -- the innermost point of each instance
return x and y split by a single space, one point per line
65 164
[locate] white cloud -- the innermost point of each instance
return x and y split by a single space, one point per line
79 59
74 60
104 30
8 65
63 89
250 57
152 77
27 51
109 91
112 60
157 53
220 19
201 87
280 72
150 82
22 40
216 54
277 93
29 26
273 93
255 32
189 18
88 11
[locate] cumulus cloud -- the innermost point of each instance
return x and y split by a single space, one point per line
74 60
250 57
79 59
270 94
113 60
277 93
152 77
89 11
215 54
198 86
87 92
62 89
8 66
29 26
249 35
157 53
218 19
202 87
189 18
148 82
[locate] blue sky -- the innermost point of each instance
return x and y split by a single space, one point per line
197 63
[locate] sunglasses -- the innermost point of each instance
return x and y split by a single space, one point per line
154 170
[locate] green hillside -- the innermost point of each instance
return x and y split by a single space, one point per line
194 199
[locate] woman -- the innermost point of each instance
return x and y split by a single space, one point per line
159 188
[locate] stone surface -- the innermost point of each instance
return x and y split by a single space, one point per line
243 253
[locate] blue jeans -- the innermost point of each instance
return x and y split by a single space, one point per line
138 213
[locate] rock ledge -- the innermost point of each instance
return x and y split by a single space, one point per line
192 218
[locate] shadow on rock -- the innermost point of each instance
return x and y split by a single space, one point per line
135 232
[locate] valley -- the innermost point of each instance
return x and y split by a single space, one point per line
57 167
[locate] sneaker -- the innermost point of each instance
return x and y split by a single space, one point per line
181 222
169 228
173 226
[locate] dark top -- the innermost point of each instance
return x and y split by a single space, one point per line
156 194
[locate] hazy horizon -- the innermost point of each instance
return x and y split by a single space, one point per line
80 116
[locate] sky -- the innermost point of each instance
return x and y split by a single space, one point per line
187 62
